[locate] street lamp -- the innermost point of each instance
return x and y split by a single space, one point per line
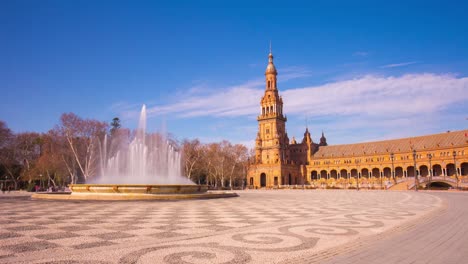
415 172
348 174
429 156
358 172
392 157
455 166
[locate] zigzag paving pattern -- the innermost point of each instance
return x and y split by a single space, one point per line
257 227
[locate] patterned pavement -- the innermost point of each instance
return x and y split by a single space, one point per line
257 227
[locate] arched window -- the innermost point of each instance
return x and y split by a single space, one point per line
269 84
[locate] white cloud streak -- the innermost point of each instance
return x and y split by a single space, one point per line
361 109
370 95
233 101
398 64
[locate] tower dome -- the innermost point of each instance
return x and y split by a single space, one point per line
271 69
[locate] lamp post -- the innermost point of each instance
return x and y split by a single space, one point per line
358 172
348 175
392 157
429 156
455 166
415 172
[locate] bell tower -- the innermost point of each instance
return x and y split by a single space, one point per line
272 140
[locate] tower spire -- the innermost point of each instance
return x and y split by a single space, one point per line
271 67
323 140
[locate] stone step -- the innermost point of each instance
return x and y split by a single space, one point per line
401 186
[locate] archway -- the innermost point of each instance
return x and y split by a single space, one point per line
251 181
354 173
289 179
450 169
387 172
323 174
437 170
376 173
410 171
263 180
365 173
334 174
314 175
438 186
464 169
423 171
399 172
344 173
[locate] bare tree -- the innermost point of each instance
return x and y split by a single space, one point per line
27 149
237 157
82 137
192 153
18 153
223 163
9 165
51 161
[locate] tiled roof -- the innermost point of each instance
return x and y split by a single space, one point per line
429 142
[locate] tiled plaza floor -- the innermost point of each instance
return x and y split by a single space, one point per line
257 227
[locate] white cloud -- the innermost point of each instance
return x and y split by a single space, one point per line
233 101
361 109
379 96
394 65
369 95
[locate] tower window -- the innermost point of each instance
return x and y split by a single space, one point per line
269 84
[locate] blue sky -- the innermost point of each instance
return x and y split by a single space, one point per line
360 72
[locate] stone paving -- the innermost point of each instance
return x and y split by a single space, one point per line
257 227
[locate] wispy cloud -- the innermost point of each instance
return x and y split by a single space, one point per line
231 101
294 72
370 95
361 54
377 106
399 64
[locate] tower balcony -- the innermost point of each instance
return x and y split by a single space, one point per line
272 116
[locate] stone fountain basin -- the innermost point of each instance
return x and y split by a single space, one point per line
139 188
121 192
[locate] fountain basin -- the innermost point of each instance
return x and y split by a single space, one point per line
139 188
135 192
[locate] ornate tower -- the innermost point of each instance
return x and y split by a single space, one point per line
272 140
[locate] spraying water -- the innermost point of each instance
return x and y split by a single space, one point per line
147 159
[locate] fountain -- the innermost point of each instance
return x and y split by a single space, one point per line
149 163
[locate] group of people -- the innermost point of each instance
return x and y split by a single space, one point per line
5 188
51 188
